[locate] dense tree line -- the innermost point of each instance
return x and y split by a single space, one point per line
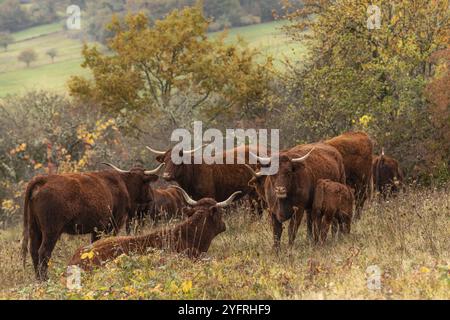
223 13
15 15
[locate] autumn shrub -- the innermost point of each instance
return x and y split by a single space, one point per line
43 132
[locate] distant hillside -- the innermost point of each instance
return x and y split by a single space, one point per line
43 74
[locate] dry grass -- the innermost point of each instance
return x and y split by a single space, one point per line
407 238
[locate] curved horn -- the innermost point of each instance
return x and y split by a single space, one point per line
227 202
154 171
262 160
186 197
253 172
301 159
160 153
192 151
115 168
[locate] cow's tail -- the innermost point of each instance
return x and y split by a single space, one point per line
26 217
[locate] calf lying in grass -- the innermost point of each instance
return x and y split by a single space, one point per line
191 237
333 203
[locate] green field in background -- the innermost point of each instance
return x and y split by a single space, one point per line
42 74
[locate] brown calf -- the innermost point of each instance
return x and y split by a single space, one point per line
333 203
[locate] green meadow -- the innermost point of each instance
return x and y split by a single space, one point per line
15 77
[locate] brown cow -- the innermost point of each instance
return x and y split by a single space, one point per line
356 149
192 237
78 203
290 192
217 181
164 203
333 203
387 175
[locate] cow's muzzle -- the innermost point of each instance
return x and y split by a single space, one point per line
166 176
281 192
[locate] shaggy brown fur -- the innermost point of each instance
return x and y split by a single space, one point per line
333 203
356 149
82 203
217 181
290 192
387 175
165 203
191 237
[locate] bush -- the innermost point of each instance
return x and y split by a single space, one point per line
42 132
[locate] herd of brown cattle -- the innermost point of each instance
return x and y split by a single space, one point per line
327 180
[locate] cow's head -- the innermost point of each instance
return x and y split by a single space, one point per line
207 212
172 171
138 182
257 182
283 180
280 187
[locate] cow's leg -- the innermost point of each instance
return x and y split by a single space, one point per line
327 220
35 243
277 228
346 223
294 224
309 224
335 227
45 252
317 218
128 225
360 198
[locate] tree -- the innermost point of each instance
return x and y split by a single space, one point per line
5 40
27 56
52 53
172 72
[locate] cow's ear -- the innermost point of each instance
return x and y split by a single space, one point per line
297 166
214 210
160 158
151 178
214 214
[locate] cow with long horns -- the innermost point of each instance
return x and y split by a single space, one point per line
79 203
290 192
191 237
217 181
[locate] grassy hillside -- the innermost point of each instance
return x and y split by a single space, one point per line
16 78
406 239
